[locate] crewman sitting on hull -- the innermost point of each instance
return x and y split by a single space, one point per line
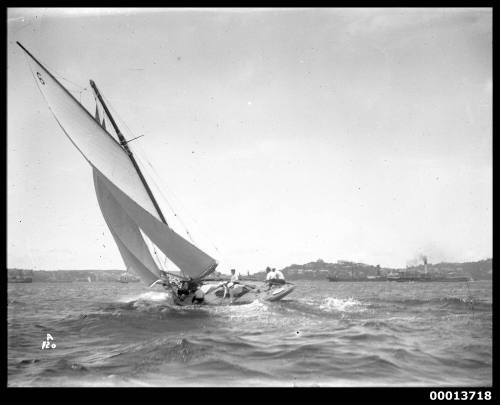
228 287
187 287
274 277
198 297
280 278
270 275
235 279
183 291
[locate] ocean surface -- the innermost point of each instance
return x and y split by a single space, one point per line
323 334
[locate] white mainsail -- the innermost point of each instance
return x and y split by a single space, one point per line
124 201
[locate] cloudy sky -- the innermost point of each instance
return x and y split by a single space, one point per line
278 136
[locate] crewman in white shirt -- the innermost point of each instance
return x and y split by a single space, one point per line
235 279
234 276
271 275
280 278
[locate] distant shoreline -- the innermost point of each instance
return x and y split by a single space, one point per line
318 270
26 276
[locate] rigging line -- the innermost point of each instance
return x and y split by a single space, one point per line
130 135
154 175
69 81
170 204
151 246
100 111
162 266
83 89
156 255
133 139
117 116
159 261
151 178
55 73
186 213
65 90
104 114
199 227
139 159
48 67
62 78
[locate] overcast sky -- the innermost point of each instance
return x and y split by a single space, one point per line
279 136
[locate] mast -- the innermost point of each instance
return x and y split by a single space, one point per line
125 202
123 143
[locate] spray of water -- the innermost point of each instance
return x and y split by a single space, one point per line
342 305
153 296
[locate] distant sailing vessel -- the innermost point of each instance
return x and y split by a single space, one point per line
127 202
20 276
128 278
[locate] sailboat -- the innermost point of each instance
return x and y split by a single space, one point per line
128 278
123 278
130 209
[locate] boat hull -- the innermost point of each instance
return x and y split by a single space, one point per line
217 297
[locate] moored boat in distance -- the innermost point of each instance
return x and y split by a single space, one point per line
128 278
20 276
20 280
402 278
347 279
410 274
429 278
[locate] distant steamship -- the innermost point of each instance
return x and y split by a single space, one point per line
404 276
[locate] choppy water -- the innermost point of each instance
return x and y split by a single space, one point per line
326 334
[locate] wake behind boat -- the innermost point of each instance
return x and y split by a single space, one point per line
130 209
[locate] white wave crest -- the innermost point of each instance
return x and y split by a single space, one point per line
342 305
155 296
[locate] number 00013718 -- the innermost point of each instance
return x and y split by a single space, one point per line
460 395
